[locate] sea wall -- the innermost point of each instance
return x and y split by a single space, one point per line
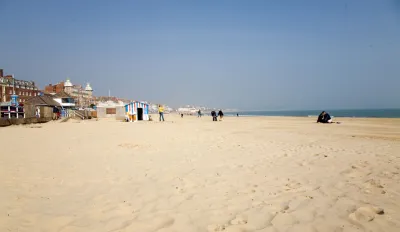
19 121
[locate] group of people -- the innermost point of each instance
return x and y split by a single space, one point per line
215 115
324 117
56 113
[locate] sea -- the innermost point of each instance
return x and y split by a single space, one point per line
357 113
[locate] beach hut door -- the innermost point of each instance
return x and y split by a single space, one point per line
140 114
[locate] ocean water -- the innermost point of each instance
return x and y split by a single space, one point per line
367 113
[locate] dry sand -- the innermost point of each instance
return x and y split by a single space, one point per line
190 174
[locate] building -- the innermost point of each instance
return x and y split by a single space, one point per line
137 111
64 99
45 103
10 86
83 97
100 99
111 109
188 110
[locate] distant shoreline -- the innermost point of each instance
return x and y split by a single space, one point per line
351 113
304 117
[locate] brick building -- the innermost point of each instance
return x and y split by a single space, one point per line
83 96
9 86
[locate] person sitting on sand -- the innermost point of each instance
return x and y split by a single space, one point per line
324 117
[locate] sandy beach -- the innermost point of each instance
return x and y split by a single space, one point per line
241 174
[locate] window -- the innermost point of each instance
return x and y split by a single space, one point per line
30 94
19 93
111 111
67 100
34 94
10 92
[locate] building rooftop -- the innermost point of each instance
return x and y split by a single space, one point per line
88 87
45 100
68 83
63 94
9 80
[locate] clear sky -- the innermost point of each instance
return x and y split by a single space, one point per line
264 55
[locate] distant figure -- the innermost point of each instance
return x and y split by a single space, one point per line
221 115
161 112
214 115
37 112
181 115
199 114
324 117
237 115
55 113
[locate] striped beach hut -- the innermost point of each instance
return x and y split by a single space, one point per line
137 111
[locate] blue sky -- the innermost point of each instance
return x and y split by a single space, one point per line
264 55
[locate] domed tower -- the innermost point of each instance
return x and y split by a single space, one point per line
88 89
68 86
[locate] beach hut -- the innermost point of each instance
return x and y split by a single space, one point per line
42 104
111 109
137 111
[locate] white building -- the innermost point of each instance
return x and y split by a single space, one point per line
187 110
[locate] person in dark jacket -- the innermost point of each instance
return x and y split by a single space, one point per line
324 117
320 116
214 115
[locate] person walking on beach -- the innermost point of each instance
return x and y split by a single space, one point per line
214 115
221 115
199 114
161 112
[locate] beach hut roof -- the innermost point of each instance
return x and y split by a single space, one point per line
62 94
141 102
45 100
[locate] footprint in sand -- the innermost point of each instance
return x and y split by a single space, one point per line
284 207
239 220
365 214
352 172
373 184
214 228
130 146
292 185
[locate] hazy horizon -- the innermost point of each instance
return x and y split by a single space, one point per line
247 55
